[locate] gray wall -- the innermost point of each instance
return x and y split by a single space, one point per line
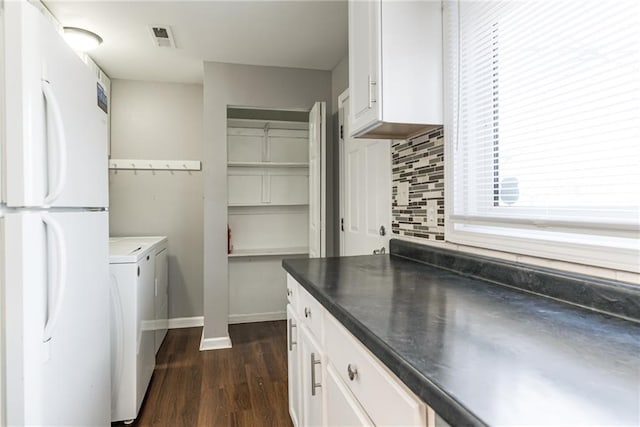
339 81
251 86
161 121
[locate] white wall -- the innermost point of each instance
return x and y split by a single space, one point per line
161 121
250 86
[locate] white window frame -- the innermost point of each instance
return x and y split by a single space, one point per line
574 243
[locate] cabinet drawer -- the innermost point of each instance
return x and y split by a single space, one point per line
292 292
342 408
310 312
385 399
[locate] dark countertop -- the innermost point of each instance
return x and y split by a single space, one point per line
481 353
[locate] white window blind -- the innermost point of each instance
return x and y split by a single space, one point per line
543 120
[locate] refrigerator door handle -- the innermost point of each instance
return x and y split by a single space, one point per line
61 276
53 104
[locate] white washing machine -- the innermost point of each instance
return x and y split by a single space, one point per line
138 267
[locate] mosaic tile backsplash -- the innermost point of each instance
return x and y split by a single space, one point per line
420 162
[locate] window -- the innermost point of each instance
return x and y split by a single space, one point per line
543 127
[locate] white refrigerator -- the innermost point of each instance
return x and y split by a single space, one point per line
53 228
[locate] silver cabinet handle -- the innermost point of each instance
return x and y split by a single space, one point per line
307 312
352 371
288 292
291 342
314 384
371 84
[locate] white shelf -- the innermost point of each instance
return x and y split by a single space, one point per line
271 124
237 253
261 205
268 164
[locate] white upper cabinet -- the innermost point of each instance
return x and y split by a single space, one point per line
395 67
364 63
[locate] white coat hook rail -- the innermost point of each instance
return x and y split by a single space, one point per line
155 165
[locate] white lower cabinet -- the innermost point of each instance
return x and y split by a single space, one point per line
293 364
334 380
342 408
439 422
387 400
312 382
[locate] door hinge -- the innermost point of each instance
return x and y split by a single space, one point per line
341 131
341 224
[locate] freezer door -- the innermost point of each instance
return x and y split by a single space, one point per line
57 303
56 136
3 421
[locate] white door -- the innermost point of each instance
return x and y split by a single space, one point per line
56 136
364 62
311 382
293 364
317 180
58 347
365 193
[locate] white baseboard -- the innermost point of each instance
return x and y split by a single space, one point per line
186 322
257 317
217 343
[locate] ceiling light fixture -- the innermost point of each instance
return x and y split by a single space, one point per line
80 39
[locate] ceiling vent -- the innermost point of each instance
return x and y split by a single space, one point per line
162 36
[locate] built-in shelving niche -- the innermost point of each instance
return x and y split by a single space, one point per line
268 212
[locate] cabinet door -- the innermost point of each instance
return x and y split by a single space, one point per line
312 393
293 359
161 297
364 63
342 407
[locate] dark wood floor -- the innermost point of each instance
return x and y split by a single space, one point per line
242 386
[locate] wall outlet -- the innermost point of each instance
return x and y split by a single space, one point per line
432 210
403 193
